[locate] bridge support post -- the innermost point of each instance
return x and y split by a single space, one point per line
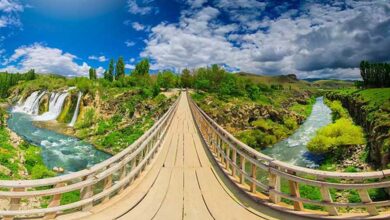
107 185
242 163
274 184
227 157
365 197
326 197
254 177
294 191
14 203
86 193
56 201
123 173
234 162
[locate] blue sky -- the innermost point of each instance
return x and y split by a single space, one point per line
312 39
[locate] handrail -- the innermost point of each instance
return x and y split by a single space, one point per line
262 176
96 184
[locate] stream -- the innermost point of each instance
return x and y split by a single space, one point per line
58 150
293 149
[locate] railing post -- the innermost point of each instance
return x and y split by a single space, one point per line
365 197
242 163
107 185
326 197
253 175
227 157
294 191
86 193
123 172
274 184
14 203
133 166
56 201
234 162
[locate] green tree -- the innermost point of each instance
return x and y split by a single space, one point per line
142 68
186 78
120 68
110 73
166 79
92 74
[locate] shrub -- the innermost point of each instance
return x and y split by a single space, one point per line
40 171
290 123
342 133
338 110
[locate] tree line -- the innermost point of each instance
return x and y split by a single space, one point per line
375 74
7 80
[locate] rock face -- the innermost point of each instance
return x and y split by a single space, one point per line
239 117
376 128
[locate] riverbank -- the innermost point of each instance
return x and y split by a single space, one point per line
20 160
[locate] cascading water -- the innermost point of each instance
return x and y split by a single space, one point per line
76 111
55 107
31 105
58 150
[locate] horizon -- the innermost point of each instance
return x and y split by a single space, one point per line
313 39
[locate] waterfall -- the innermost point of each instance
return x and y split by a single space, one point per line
55 107
76 111
31 105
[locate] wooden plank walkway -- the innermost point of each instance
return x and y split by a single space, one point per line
183 182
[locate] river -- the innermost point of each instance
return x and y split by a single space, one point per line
293 149
58 150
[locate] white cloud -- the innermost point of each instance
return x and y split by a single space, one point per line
98 58
135 8
9 6
130 66
318 40
46 60
138 26
129 43
9 13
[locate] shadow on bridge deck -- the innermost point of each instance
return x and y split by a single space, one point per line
183 182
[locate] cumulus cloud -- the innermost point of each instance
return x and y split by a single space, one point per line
9 11
315 40
46 60
129 43
138 26
136 9
98 58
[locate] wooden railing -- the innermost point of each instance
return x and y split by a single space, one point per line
280 185
95 185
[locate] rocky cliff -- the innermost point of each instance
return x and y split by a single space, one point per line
374 116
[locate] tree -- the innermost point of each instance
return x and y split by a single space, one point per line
120 69
110 73
166 79
375 74
141 69
30 75
92 74
186 78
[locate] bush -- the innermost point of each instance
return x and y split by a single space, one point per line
40 171
290 123
342 133
338 110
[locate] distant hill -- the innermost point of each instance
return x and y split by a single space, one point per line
333 84
294 82
285 80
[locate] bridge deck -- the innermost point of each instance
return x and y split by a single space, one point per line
182 183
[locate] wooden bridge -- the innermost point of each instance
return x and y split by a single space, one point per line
188 167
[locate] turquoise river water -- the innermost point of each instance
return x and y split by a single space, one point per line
293 149
58 150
